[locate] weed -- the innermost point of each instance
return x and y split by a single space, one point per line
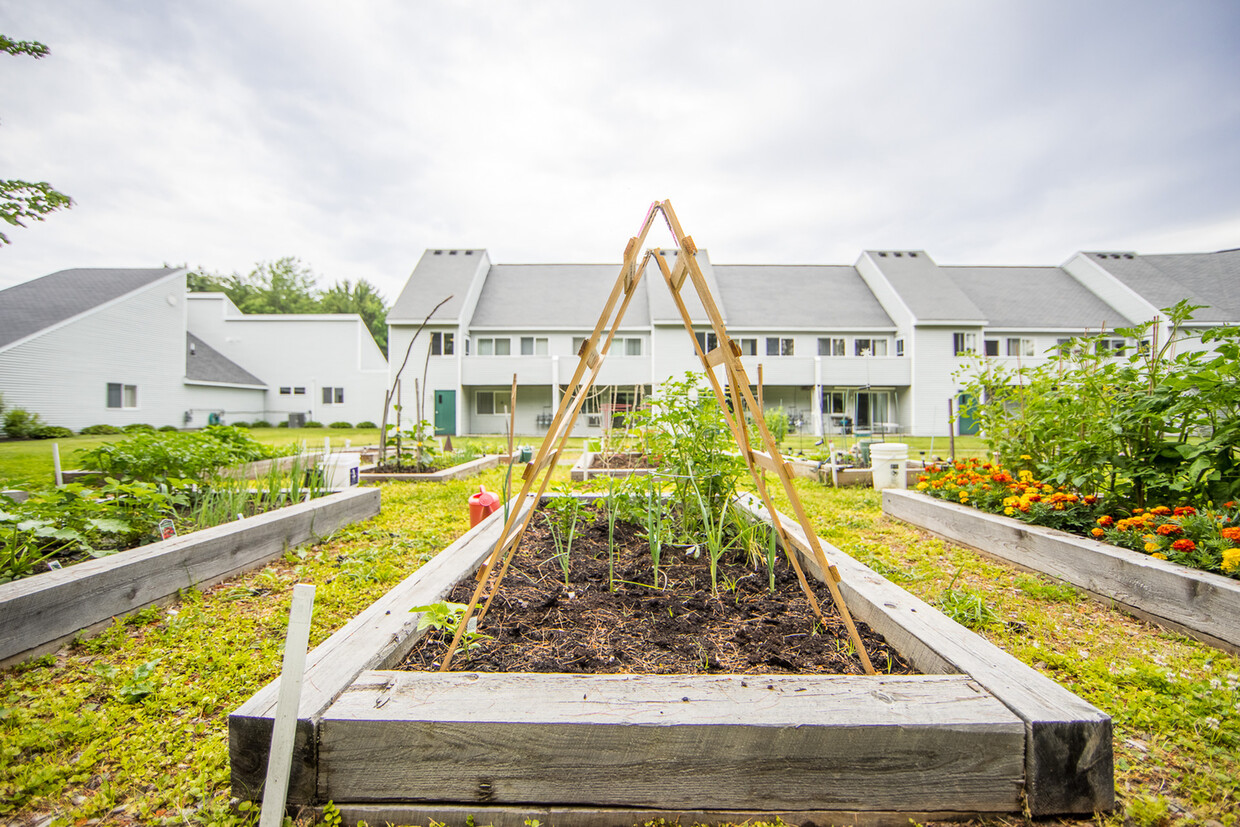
1049 590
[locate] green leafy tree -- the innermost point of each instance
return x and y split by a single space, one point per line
363 299
22 201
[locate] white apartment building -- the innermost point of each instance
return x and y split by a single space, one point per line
869 347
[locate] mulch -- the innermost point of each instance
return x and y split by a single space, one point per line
537 623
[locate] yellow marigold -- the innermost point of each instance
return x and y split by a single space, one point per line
1158 555
922 486
1009 511
1153 547
1231 559
1025 456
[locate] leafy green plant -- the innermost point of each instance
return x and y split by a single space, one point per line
561 514
313 423
341 425
157 457
100 429
20 423
50 432
445 616
365 424
20 553
260 423
776 422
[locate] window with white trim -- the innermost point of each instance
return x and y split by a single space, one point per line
831 346
494 346
899 347
1115 347
285 391
776 346
749 347
869 347
1019 347
122 396
492 402
991 347
533 346
632 347
964 343
707 340
441 344
333 396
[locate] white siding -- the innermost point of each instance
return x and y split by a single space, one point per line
231 404
62 374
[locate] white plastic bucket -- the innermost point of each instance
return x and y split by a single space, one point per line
340 471
887 462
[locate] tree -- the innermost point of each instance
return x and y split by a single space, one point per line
26 199
363 299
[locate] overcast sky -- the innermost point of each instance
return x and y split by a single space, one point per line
354 135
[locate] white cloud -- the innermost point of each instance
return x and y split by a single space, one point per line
356 135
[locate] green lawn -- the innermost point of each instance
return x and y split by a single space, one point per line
81 737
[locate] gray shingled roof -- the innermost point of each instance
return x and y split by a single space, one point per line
553 295
1033 297
1211 279
663 309
30 307
928 292
204 363
439 274
798 296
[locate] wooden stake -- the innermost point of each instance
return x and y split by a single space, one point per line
280 759
59 475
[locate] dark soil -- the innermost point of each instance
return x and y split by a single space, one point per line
406 465
537 624
617 461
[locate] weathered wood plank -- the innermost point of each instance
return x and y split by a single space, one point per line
522 816
1199 603
1069 762
50 608
456 472
378 637
582 469
735 741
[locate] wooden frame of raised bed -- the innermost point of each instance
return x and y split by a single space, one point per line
43 612
456 472
978 732
1200 604
583 468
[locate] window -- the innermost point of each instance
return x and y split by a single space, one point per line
706 340
533 346
285 391
441 344
964 343
333 396
870 347
779 347
632 347
1020 347
494 347
299 391
833 402
1112 346
749 347
122 396
492 402
831 347
992 347
899 347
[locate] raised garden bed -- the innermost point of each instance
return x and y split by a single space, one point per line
976 732
592 464
1201 604
456 472
850 476
40 613
247 470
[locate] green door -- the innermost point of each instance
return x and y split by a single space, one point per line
967 423
445 413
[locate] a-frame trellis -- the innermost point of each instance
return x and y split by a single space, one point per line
733 401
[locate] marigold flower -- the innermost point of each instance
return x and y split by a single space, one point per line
1185 509
1231 559
1106 519
1160 510
1229 504
1097 532
1167 529
1231 533
1009 511
1159 555
1184 544
1152 547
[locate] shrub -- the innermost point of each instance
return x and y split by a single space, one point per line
169 428
100 429
137 426
341 425
260 423
366 424
19 423
242 424
50 432
158 456
313 424
282 424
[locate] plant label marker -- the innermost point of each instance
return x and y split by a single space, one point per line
280 759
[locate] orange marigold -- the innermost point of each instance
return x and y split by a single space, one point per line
1160 510
1167 529
1184 544
1231 533
1185 509
1097 532
1106 519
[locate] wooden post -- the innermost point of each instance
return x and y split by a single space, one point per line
951 431
280 759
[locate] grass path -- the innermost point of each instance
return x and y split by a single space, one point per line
130 727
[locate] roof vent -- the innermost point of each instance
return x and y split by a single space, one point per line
882 255
439 252
912 255
898 255
469 252
452 252
1128 255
